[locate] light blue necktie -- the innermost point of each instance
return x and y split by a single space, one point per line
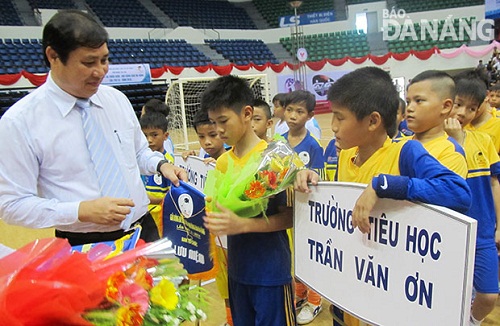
111 180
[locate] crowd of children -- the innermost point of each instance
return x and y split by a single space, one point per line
433 142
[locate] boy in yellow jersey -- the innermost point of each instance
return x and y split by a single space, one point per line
430 98
259 258
154 125
484 168
486 122
494 99
364 104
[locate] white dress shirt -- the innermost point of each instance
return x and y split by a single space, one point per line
45 166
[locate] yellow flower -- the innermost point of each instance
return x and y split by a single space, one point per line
164 294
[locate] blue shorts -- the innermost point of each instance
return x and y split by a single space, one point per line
486 270
261 305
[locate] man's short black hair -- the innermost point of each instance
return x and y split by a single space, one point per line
366 90
154 120
71 29
229 92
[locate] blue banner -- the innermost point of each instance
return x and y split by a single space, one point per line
308 19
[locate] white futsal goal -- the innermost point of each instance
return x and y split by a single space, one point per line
183 98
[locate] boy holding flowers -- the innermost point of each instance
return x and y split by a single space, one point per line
259 259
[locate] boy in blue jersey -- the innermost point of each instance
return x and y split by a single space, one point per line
154 125
259 258
483 171
430 99
402 131
364 104
299 108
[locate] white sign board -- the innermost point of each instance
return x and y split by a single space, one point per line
196 169
414 268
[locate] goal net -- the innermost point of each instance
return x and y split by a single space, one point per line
183 98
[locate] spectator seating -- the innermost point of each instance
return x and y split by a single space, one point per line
242 52
156 52
206 14
334 45
428 5
8 14
21 54
425 43
9 97
26 54
124 13
52 4
138 95
272 10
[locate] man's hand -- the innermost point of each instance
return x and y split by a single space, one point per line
105 210
224 222
173 173
362 209
302 178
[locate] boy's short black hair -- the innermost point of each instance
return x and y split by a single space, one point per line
200 119
154 120
229 92
402 105
280 98
364 91
301 96
471 88
260 103
471 84
156 105
495 87
442 83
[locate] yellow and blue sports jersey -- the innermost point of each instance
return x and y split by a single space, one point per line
310 152
490 127
405 170
331 159
449 153
402 136
157 186
483 163
261 259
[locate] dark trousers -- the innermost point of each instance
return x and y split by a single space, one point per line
149 233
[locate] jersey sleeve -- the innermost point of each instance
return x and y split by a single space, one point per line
424 179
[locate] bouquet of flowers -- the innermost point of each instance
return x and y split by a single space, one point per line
46 283
246 190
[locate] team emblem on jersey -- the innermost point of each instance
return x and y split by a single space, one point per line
157 179
186 205
304 157
480 159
